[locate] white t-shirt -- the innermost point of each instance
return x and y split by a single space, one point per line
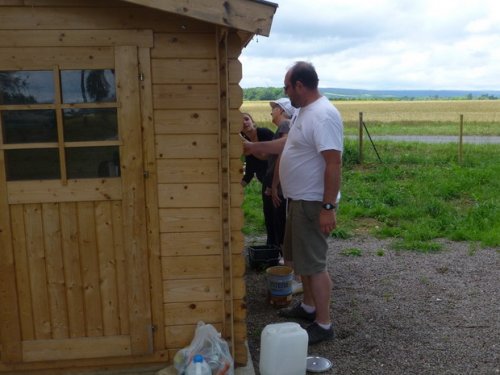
314 128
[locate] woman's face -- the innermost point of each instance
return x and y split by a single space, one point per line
275 113
247 123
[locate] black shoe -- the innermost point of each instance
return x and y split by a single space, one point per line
317 334
297 312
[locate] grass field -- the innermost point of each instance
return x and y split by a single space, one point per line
440 117
420 192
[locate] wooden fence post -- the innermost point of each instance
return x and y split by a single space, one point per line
461 139
360 138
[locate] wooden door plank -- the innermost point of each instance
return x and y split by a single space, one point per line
72 270
121 266
55 270
90 268
134 211
38 273
107 268
10 329
22 272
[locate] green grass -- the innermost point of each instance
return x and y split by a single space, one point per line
418 194
352 252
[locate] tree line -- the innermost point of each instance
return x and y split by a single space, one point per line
272 93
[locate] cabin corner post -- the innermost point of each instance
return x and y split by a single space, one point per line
225 184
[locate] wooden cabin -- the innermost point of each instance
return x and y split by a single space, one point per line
120 219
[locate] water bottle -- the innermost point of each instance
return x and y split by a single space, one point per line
198 366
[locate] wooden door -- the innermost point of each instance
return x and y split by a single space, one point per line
73 248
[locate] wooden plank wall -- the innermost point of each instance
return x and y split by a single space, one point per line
185 104
185 91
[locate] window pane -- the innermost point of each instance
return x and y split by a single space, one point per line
93 162
88 86
90 124
26 87
33 164
29 126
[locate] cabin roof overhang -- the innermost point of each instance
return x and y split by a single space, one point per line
253 16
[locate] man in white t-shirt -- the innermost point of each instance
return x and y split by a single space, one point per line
310 174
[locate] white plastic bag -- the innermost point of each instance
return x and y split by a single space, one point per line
209 343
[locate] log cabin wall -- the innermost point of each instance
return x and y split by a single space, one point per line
187 86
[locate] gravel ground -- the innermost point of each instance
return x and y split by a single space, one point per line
402 312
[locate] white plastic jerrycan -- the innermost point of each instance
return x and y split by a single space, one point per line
283 349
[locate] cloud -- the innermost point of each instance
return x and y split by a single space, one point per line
382 44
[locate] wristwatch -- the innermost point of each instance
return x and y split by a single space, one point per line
329 206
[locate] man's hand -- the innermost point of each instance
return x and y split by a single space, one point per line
247 147
327 220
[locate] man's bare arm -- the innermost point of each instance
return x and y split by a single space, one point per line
267 147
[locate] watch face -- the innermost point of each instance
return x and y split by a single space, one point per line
328 206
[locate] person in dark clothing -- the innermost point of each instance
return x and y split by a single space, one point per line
256 165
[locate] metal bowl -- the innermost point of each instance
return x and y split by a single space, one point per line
318 364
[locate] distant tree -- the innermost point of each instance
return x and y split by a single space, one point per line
262 93
13 89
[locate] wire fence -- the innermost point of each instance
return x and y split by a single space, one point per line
441 127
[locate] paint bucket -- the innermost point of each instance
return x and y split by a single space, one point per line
283 349
279 284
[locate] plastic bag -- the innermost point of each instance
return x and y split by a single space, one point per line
209 343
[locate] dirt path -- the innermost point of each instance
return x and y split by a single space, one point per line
403 312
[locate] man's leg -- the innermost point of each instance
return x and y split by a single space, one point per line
320 286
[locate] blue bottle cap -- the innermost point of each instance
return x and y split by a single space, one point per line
198 358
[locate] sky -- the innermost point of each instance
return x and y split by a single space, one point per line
381 44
